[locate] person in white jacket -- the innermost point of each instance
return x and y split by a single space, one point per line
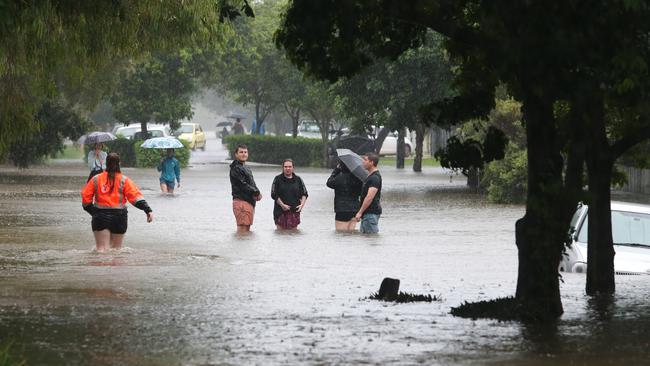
96 160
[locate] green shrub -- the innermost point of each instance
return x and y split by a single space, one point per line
274 149
506 180
149 158
124 147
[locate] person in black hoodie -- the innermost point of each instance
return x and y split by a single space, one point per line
289 194
347 190
244 190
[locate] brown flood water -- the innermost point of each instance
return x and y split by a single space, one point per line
186 291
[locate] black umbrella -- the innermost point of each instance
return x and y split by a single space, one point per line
353 162
95 137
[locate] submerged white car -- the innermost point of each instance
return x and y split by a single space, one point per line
630 233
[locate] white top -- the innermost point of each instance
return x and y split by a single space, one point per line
97 162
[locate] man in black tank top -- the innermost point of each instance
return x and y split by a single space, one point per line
370 210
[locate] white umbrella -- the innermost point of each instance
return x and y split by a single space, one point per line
162 143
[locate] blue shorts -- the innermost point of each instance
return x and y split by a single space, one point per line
369 223
170 185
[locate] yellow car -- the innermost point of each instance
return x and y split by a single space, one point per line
192 133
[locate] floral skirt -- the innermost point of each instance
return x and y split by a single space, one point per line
288 220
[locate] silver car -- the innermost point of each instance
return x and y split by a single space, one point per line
631 235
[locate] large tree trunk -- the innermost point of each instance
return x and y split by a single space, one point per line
295 121
399 156
540 233
600 248
325 151
473 178
294 113
420 130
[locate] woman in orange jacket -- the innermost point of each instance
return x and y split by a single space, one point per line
104 197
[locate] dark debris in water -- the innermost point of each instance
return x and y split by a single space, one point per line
503 309
404 297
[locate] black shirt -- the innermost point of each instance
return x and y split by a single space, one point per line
242 182
289 190
347 189
374 180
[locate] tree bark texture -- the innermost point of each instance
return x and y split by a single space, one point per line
399 149
473 178
600 248
539 234
420 131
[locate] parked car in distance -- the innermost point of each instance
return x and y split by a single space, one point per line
192 133
153 131
132 131
630 233
127 131
310 129
389 147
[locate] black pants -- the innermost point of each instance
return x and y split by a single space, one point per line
115 220
344 216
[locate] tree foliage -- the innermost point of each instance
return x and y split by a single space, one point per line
50 48
249 68
593 59
159 88
57 122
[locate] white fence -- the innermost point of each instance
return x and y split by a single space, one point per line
638 180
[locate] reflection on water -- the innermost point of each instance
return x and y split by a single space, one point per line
186 289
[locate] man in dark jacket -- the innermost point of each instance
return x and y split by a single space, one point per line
244 190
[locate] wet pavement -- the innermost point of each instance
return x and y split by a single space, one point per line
186 290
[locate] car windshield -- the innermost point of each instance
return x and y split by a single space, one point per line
186 129
628 228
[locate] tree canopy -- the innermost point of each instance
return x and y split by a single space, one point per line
58 48
567 63
158 88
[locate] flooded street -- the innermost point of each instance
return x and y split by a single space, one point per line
187 291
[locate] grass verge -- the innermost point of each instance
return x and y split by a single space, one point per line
389 161
71 152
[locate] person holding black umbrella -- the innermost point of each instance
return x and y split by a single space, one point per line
347 189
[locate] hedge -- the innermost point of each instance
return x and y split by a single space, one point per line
506 180
132 155
274 149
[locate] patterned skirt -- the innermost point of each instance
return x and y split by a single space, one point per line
288 220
